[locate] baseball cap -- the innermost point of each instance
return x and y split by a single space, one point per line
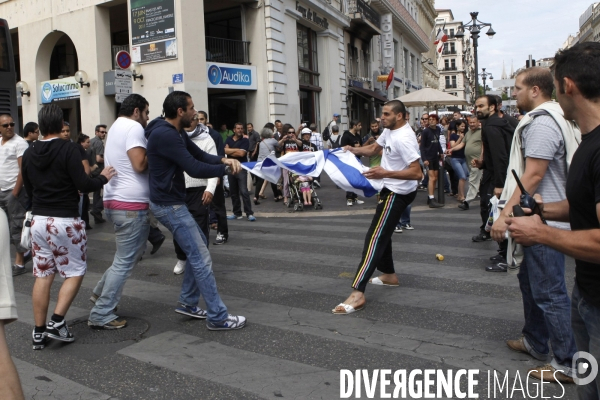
336 115
306 130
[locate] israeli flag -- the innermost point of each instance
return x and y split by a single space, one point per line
345 170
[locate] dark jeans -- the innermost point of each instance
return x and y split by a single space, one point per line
218 205
14 207
97 204
585 320
193 201
85 209
238 187
351 196
546 304
486 191
377 251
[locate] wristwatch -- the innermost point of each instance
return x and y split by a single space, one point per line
228 169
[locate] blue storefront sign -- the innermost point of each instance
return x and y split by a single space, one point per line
231 76
59 89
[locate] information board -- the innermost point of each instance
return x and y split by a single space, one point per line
152 21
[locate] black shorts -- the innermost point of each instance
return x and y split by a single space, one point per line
434 165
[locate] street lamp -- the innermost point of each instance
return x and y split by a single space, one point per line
475 27
485 75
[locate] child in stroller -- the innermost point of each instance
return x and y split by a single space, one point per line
303 193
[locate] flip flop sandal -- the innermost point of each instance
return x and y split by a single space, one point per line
348 309
377 281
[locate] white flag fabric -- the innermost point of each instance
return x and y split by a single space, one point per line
344 169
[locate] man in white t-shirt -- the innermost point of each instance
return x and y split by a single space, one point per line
400 171
12 195
126 205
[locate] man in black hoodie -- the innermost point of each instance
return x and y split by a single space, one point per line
53 174
496 135
170 153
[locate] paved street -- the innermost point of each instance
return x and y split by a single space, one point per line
285 272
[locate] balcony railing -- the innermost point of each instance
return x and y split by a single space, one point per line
450 68
450 85
227 51
447 52
368 13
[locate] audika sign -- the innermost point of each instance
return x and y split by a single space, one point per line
231 76
59 89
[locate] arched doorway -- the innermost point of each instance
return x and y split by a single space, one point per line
56 64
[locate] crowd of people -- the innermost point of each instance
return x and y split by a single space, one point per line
173 170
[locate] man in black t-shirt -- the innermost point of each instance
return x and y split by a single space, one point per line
352 138
578 92
236 147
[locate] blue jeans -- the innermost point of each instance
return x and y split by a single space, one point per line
585 320
405 217
459 165
547 306
198 278
131 233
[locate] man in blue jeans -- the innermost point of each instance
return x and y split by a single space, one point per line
547 155
126 200
578 93
170 153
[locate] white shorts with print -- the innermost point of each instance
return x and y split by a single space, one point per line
58 244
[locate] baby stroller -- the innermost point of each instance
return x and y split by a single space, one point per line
296 198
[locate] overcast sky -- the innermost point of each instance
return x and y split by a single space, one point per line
537 27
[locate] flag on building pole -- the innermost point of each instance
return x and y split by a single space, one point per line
390 79
440 39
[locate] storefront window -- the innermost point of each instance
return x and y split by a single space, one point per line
308 74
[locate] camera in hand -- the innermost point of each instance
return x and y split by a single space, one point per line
526 201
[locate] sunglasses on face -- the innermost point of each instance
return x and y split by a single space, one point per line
291 131
11 124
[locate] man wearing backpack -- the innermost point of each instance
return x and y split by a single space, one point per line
335 138
328 131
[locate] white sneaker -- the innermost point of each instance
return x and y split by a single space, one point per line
357 201
349 202
179 267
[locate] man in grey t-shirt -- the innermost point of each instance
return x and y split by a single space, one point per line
98 145
546 303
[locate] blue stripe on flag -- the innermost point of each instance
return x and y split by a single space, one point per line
355 178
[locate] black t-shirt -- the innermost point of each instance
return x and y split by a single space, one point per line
242 144
289 146
457 153
583 193
430 144
308 146
81 151
348 139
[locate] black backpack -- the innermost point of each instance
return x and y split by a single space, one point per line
336 144
326 134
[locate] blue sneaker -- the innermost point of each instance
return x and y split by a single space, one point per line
194 312
234 216
251 218
232 322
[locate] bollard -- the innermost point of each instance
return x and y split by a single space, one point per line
440 182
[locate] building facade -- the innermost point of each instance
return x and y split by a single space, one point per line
457 75
242 61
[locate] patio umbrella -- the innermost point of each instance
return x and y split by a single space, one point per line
429 97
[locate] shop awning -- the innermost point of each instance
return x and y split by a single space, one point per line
368 94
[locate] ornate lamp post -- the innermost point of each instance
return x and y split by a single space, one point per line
475 27
485 75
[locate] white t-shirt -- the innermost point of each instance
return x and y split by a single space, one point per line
9 161
127 186
400 149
